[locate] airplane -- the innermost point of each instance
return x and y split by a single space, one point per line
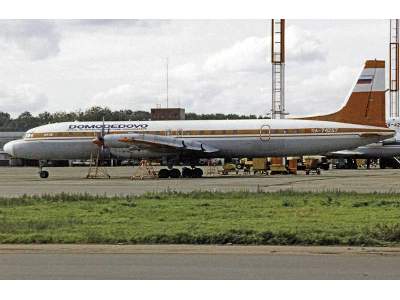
387 151
361 121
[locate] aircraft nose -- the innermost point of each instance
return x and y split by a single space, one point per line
9 148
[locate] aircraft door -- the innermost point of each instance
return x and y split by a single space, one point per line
179 133
265 133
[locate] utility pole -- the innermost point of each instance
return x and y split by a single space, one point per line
278 83
278 68
167 80
394 68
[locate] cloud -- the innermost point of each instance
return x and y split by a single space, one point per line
323 93
248 55
38 39
128 96
303 47
185 71
238 78
252 54
215 66
104 23
119 27
24 97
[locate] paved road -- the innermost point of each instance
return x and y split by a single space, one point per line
18 181
203 262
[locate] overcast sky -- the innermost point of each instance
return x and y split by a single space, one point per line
214 66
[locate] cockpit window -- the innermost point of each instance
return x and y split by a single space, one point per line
28 135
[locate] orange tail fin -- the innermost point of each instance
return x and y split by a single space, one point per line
366 104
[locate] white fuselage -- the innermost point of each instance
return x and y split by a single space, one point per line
232 138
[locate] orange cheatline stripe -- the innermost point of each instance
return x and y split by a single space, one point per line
197 133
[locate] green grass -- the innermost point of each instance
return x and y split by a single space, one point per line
285 218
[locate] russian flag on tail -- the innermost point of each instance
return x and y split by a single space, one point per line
365 79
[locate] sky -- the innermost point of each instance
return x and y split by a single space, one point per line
215 66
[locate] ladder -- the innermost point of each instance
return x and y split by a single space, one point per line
212 168
144 170
96 170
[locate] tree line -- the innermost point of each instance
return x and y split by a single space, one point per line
27 121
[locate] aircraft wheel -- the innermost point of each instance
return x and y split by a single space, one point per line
187 172
163 173
382 164
44 174
197 173
175 173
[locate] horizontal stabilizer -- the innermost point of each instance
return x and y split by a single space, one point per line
375 134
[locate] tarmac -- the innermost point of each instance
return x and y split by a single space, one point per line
196 262
25 180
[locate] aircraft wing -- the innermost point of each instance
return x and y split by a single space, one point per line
157 142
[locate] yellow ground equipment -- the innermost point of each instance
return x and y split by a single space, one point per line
246 164
228 168
278 166
311 165
260 165
292 165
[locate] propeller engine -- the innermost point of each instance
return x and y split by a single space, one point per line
99 141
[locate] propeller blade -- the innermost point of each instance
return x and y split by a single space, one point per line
103 129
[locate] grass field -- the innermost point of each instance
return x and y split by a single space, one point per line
286 218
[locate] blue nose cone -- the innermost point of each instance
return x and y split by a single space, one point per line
9 148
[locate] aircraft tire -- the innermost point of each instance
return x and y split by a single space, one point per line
44 174
187 172
163 173
175 173
197 173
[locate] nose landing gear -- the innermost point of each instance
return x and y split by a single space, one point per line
43 173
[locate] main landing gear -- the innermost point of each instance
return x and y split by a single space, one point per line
175 173
43 173
192 172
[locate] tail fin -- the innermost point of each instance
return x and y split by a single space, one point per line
366 104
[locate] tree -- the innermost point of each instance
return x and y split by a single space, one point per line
5 118
27 121
45 118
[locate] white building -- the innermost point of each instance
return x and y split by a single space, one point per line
6 137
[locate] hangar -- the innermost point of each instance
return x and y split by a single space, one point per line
6 137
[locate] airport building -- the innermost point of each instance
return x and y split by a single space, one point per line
6 137
164 114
